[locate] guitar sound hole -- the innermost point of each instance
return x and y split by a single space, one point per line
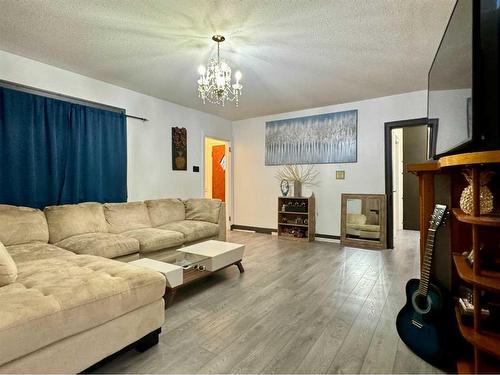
421 303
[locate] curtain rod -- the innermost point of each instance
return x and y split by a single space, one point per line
137 118
71 99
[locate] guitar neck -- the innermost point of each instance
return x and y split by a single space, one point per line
427 263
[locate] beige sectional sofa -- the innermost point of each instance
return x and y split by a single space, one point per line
68 306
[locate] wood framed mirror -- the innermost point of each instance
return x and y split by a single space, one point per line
363 221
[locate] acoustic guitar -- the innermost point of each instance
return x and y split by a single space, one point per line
421 323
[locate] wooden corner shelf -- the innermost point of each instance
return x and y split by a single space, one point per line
471 158
486 279
484 220
465 366
467 232
460 160
488 342
427 166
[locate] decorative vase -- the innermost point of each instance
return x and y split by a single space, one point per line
180 160
297 189
485 195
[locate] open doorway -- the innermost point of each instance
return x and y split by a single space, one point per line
217 168
408 141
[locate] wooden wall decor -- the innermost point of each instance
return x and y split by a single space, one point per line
179 149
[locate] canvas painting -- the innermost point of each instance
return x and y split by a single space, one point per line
319 139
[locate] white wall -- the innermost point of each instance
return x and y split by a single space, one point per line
256 190
150 172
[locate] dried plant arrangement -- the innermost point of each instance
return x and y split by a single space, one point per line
304 174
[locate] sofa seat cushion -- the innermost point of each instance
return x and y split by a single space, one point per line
164 211
73 219
56 298
203 209
29 252
20 225
106 245
365 227
193 230
152 239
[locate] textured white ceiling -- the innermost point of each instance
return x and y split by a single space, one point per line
293 54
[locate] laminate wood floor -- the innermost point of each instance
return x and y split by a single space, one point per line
299 308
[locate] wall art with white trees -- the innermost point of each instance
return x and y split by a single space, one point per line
319 139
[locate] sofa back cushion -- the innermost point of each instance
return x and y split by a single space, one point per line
8 269
358 219
203 209
122 217
74 219
164 211
19 225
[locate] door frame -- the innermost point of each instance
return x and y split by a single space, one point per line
432 126
229 175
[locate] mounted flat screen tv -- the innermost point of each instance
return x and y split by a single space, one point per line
463 94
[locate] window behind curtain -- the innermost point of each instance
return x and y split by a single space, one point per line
56 152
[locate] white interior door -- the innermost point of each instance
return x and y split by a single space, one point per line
397 177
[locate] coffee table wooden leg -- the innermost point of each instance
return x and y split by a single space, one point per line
169 297
240 267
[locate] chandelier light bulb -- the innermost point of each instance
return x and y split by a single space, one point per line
220 80
202 69
237 75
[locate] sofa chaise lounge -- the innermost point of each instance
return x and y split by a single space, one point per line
66 302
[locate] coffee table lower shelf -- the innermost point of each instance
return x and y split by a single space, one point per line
194 262
191 275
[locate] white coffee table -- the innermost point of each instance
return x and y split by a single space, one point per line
195 262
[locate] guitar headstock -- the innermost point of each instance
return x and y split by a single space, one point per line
438 216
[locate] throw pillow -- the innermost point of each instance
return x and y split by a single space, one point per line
8 269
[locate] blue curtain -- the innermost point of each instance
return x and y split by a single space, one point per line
56 152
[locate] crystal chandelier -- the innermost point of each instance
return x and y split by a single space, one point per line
214 83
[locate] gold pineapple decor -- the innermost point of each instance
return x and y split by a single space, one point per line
485 195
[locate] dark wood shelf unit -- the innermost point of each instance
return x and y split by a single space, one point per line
291 216
295 225
292 212
467 232
489 280
488 342
465 365
483 220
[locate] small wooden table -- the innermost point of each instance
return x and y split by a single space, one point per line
195 262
